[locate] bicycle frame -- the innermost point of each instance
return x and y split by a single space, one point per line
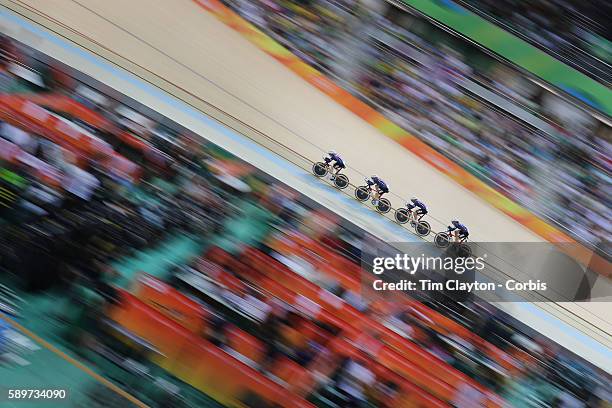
455 235
415 217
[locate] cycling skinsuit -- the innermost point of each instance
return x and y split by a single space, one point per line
339 163
422 209
382 186
463 231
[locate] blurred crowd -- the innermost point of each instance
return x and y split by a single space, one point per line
563 177
576 31
273 281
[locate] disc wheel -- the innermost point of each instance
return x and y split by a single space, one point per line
319 169
442 240
422 228
341 181
362 193
401 216
383 206
464 251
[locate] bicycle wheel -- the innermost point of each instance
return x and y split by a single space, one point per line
362 193
442 240
422 228
383 206
401 216
341 181
319 169
464 251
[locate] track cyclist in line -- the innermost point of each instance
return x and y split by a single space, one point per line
416 207
458 231
338 163
380 188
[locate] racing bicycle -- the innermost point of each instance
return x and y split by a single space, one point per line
322 169
364 193
445 239
421 227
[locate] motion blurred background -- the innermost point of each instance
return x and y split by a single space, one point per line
185 276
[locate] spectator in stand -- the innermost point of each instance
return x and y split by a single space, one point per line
353 381
216 333
468 396
384 394
8 80
80 184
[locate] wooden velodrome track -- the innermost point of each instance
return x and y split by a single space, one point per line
181 49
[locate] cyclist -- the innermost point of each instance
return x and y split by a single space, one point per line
416 208
338 163
380 188
458 230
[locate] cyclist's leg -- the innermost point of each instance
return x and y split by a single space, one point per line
333 171
375 195
327 162
380 194
413 214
